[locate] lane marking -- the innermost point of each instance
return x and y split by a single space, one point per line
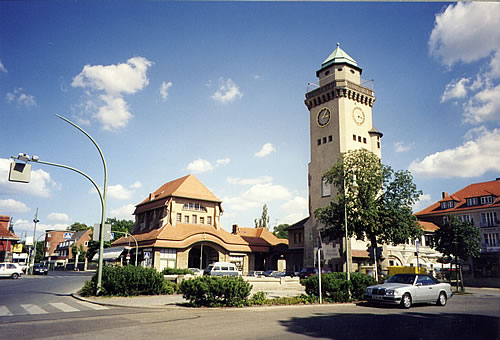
4 311
33 309
64 307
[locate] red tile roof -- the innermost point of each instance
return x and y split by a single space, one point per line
428 226
491 188
5 233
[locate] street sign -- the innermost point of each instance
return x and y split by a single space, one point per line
147 254
417 245
67 236
107 232
112 235
20 172
330 251
29 240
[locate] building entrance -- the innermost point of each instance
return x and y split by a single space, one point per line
202 252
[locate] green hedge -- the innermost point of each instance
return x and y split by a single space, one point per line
128 281
176 271
215 291
334 286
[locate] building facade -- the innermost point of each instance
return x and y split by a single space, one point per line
478 203
7 239
178 226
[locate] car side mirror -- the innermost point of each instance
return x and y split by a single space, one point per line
419 284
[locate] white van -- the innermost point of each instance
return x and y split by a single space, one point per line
221 269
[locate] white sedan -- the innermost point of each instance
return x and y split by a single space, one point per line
407 289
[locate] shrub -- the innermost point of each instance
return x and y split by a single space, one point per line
214 291
88 289
258 299
176 271
126 281
334 286
359 282
169 287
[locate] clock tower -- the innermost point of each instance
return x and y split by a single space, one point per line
340 119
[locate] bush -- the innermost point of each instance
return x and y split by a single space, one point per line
214 291
359 282
169 288
126 281
176 271
258 299
334 286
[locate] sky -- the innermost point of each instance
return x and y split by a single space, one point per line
217 89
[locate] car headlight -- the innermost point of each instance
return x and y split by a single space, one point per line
368 291
389 292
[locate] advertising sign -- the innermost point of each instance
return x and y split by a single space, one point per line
17 248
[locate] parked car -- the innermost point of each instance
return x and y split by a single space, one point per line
407 289
196 271
221 269
12 270
255 273
274 273
310 271
40 268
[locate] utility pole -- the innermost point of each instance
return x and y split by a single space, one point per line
35 221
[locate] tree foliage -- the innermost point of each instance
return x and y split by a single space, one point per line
263 222
459 239
280 231
378 200
77 226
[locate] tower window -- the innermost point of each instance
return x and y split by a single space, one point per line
319 141
378 145
354 137
324 140
339 69
364 140
353 72
327 73
330 138
359 139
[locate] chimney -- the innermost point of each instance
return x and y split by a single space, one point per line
236 229
444 194
498 179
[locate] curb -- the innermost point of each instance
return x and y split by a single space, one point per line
167 306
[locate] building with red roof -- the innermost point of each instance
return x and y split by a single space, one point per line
178 226
7 239
478 203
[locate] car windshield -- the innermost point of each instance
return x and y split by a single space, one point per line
402 278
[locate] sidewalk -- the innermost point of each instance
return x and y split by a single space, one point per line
176 300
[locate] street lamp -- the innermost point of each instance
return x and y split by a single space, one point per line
102 195
136 244
353 184
32 260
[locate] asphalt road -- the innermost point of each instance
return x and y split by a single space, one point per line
474 316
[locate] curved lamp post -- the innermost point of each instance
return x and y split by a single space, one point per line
102 195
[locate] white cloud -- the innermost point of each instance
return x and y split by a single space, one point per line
2 68
402 147
479 154
113 81
20 96
266 149
200 165
465 32
164 90
58 217
223 162
483 106
295 210
256 196
125 212
423 202
21 226
249 181
136 185
227 92
12 206
40 183
455 89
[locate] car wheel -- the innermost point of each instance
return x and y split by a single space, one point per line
14 276
406 301
441 301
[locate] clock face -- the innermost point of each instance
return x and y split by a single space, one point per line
324 117
358 115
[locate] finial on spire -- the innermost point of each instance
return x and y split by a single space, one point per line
338 45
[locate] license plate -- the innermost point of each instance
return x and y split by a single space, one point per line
377 297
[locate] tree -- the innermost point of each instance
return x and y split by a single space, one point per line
263 222
77 226
458 239
280 231
378 199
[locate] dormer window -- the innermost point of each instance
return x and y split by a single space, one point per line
447 204
471 201
194 207
486 199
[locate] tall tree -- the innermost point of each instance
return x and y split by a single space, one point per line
378 199
77 226
263 222
458 239
280 231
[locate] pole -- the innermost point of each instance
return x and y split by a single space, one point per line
319 276
103 201
32 261
346 243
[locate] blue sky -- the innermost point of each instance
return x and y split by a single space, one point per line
217 89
